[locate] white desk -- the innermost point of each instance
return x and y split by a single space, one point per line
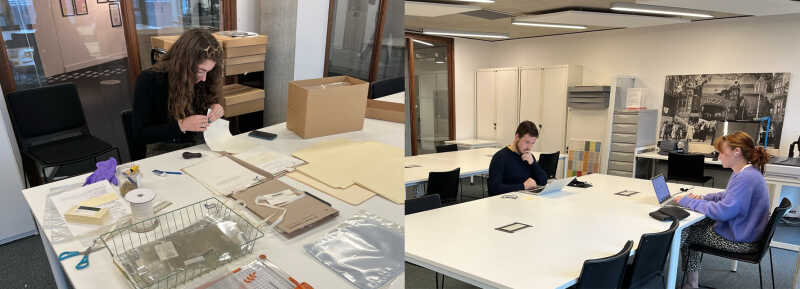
468 144
183 190
472 162
656 156
569 227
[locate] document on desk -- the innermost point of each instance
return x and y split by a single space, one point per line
117 207
269 161
218 137
339 164
223 176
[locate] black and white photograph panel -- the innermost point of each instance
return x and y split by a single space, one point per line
700 107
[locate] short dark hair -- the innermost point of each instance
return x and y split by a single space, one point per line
527 127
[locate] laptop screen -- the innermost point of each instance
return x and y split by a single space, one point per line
660 186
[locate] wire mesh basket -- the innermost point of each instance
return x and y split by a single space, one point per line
175 247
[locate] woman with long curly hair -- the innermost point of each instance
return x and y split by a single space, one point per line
173 98
735 218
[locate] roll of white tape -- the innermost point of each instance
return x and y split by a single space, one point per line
141 201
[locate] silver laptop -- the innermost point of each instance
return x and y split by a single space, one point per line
552 187
662 192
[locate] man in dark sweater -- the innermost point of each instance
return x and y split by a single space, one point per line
514 168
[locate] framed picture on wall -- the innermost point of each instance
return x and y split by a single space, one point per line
67 8
116 15
81 8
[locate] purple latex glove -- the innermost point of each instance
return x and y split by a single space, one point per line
106 170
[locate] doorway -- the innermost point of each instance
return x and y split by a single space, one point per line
430 67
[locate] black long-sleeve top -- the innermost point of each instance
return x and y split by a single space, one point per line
152 121
508 172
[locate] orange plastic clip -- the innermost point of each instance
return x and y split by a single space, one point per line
298 285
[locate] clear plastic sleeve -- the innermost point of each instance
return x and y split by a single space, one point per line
365 249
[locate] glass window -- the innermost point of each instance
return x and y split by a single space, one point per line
352 36
393 43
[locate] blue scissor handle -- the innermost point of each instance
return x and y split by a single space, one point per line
67 254
83 263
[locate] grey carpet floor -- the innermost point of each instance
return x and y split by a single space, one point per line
23 264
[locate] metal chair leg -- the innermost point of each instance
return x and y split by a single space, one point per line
760 282
685 269
445 276
460 191
771 269
437 279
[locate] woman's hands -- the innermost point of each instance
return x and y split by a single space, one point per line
199 122
216 112
193 123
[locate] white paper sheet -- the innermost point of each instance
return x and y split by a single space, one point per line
117 209
223 176
218 137
270 161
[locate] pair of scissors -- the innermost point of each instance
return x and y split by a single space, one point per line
85 260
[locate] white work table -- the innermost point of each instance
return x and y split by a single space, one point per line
472 162
654 155
473 143
182 190
569 227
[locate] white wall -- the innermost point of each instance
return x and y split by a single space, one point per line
75 42
469 55
753 44
312 31
247 15
15 217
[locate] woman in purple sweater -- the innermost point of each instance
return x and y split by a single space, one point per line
736 217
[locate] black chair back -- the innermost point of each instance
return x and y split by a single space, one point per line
386 87
778 213
445 184
685 166
136 150
605 272
42 114
549 163
651 257
446 148
424 203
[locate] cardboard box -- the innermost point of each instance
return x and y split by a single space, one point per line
384 110
240 99
325 106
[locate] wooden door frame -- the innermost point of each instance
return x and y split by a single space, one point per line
132 39
450 84
131 42
412 102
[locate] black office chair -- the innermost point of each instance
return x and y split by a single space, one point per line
752 258
424 203
445 184
421 204
51 130
447 148
650 259
136 150
604 272
549 163
386 87
683 167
